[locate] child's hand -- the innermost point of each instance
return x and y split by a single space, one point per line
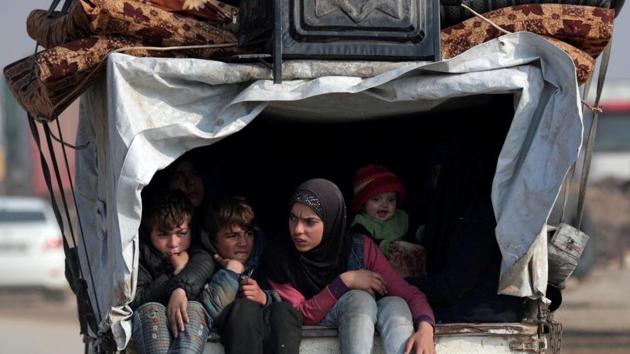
253 292
365 280
230 264
178 261
422 340
177 311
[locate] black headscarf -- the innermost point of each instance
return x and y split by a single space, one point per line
311 271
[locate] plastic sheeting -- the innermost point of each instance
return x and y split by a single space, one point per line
150 111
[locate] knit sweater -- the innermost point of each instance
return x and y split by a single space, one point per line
382 232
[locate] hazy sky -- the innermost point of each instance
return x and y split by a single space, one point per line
16 44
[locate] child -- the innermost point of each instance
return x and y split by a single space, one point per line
248 319
377 194
171 275
342 280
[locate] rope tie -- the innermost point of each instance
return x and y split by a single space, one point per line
181 47
485 19
586 104
74 147
592 108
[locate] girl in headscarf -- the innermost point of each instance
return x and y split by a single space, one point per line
342 280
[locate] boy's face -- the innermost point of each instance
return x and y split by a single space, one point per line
173 241
235 242
381 206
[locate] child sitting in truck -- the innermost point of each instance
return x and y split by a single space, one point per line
171 275
377 194
336 279
248 318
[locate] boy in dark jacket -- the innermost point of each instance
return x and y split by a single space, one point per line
248 318
171 274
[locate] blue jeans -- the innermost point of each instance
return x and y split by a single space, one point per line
355 315
150 333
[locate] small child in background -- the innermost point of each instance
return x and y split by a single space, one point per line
377 194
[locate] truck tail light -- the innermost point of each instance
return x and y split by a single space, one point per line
53 243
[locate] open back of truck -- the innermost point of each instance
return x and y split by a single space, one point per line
469 338
150 111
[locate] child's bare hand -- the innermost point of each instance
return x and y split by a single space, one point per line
365 280
422 340
253 292
178 261
230 264
177 311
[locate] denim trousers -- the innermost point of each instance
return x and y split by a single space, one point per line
151 335
247 327
355 315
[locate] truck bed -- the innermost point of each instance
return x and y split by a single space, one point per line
460 338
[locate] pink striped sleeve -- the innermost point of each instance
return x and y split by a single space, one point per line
316 308
396 285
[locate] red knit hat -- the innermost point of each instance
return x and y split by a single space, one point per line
372 180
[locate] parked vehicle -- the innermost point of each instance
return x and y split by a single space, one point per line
254 137
31 247
611 155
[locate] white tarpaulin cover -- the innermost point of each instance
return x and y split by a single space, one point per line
150 111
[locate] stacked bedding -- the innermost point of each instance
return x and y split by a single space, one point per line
581 31
79 42
451 12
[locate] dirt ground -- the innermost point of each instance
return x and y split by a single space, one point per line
31 323
595 313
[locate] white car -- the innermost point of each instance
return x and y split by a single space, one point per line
31 246
611 155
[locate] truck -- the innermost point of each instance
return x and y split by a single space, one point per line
141 129
517 94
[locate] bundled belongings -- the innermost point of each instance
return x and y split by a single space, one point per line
451 11
581 31
133 18
80 41
215 12
46 83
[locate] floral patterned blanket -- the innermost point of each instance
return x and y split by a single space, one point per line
79 43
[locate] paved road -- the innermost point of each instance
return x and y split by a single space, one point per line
596 314
30 324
